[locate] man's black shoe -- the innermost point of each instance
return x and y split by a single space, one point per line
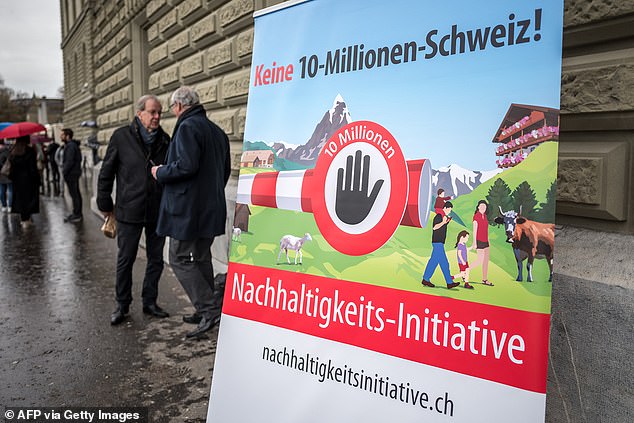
204 326
193 319
155 311
118 315
76 218
73 218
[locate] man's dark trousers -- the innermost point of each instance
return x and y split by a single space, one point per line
191 263
128 236
75 195
55 173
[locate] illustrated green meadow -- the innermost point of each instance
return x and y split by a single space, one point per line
401 261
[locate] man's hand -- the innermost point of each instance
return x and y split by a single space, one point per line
154 169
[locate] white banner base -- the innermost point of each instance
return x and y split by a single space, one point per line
255 389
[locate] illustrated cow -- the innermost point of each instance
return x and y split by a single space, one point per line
529 239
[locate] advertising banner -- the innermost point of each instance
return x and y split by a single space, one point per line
392 250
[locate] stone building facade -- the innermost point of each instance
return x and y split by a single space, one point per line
79 65
596 181
116 50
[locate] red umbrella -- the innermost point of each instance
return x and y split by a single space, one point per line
21 129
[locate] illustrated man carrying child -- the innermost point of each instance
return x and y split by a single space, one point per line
438 255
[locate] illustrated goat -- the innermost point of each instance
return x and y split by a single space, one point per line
293 243
529 239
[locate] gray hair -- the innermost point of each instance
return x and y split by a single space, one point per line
140 104
186 96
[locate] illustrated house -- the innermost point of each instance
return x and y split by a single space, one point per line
257 158
524 128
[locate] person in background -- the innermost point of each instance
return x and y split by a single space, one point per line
41 163
59 161
6 187
193 208
26 180
132 150
50 152
72 172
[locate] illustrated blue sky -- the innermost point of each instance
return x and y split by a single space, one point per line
446 109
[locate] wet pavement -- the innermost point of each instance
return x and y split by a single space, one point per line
57 347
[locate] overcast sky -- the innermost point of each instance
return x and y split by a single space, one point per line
30 53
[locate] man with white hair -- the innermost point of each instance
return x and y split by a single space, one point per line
132 151
193 208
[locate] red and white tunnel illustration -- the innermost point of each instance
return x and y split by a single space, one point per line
290 190
359 192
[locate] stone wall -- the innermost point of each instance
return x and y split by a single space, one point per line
595 178
591 336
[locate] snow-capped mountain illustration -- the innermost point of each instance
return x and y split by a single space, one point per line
306 155
456 180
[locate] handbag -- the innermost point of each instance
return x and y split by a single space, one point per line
6 167
109 227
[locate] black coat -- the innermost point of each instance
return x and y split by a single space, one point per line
198 168
129 161
50 152
26 182
72 160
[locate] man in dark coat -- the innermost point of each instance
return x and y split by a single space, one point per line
132 150
72 171
193 208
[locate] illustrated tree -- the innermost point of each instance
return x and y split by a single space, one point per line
524 197
547 208
11 104
499 195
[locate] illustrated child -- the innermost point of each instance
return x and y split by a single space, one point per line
440 201
463 262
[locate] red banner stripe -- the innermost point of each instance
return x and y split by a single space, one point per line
494 343
263 189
